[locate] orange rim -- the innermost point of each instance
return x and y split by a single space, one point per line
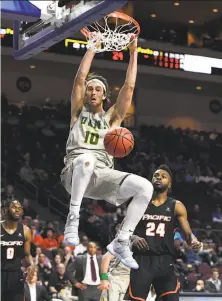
115 14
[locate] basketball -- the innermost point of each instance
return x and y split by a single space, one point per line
119 142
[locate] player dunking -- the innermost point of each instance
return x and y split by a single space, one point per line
154 248
15 244
88 170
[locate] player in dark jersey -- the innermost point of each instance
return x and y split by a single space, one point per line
154 247
15 245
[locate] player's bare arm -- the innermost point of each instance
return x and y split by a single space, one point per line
107 258
119 110
27 245
181 214
78 90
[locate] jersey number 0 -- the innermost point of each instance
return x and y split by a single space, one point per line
10 253
153 230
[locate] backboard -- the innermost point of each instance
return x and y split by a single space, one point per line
50 23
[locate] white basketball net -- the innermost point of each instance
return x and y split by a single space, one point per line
105 35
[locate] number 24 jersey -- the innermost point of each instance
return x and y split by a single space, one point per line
157 227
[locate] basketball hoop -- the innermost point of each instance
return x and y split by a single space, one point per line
112 33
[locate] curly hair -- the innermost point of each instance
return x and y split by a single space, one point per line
7 203
167 169
106 101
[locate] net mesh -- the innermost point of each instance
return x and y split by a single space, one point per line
112 33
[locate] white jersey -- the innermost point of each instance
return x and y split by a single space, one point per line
87 136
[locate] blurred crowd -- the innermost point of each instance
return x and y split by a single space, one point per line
33 147
207 35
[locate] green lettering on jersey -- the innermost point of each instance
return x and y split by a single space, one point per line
98 125
90 124
83 120
91 138
93 124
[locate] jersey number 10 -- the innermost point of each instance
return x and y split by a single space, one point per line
91 138
152 229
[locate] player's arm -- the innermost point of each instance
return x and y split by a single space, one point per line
181 214
106 259
105 285
78 90
27 245
119 110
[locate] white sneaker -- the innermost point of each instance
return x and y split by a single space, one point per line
121 250
71 236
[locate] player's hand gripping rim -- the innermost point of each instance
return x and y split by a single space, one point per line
133 45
